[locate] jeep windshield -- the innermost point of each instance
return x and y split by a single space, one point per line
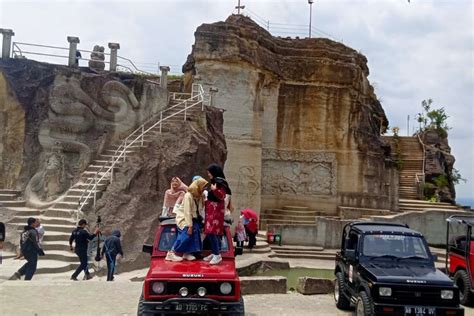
394 247
168 236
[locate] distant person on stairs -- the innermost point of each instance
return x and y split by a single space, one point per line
81 237
111 248
30 249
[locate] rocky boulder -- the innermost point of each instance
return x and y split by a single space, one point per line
133 202
310 286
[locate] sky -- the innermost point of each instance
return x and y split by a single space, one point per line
416 50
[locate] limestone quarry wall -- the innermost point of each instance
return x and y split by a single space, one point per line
54 120
302 121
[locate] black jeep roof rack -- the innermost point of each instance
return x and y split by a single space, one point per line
365 223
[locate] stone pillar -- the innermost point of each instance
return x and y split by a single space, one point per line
164 76
212 96
73 41
7 42
113 55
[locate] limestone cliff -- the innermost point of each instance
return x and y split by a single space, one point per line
133 202
302 121
438 166
54 120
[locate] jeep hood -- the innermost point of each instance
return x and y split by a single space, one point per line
192 269
406 273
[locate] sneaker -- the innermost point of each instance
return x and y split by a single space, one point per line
208 258
171 256
189 257
216 260
74 279
15 276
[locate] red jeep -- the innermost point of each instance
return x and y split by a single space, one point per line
460 255
190 287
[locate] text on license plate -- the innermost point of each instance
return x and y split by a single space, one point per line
190 307
419 310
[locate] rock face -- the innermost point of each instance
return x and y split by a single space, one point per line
439 165
60 118
302 121
133 202
96 62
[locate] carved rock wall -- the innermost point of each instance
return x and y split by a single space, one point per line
70 117
302 120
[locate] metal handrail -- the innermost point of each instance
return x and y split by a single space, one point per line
126 144
424 151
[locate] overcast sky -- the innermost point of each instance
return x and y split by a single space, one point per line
418 50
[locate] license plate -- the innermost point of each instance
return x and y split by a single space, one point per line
191 307
419 311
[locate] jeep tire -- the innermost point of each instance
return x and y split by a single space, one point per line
241 308
342 302
364 306
141 308
461 280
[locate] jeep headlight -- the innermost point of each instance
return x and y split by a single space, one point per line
225 288
158 287
447 294
385 291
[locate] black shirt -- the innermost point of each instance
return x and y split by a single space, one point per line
81 237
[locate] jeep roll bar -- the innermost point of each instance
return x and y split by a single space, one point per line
469 222
365 223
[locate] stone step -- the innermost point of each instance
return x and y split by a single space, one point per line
105 162
8 196
56 245
61 213
99 168
288 221
46 266
291 212
428 205
287 216
66 205
296 208
19 203
422 202
131 147
46 220
60 255
9 191
57 236
51 227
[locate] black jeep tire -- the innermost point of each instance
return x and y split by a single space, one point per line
461 279
141 308
241 311
342 302
364 306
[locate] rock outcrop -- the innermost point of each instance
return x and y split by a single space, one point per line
61 118
302 121
133 202
438 166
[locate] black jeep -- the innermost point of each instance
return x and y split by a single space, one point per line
388 269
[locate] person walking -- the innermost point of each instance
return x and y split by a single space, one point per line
189 229
251 226
111 248
81 237
240 235
2 239
30 249
215 209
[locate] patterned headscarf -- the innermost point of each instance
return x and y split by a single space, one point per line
197 188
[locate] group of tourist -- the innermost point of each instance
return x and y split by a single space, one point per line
200 207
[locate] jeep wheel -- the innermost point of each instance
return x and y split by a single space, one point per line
342 302
141 308
240 310
461 279
364 305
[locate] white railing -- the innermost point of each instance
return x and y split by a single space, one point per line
198 96
420 177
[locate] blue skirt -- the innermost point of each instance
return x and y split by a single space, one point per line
187 244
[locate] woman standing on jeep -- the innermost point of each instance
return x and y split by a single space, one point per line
215 209
189 230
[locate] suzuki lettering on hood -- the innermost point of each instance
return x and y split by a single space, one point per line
193 275
416 281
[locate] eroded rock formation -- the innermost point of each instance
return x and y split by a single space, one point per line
65 117
302 121
133 202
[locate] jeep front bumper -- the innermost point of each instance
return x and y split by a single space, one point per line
192 306
409 310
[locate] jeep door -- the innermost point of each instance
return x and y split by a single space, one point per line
350 259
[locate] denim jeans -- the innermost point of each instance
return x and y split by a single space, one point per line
215 243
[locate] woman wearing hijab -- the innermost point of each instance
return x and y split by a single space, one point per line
189 234
215 209
173 196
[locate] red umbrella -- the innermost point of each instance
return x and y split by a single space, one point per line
249 214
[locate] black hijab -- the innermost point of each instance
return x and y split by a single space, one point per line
218 178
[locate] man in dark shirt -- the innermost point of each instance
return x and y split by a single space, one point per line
81 237
30 249
112 247
2 239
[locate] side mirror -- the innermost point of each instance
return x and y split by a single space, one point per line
238 251
147 249
350 254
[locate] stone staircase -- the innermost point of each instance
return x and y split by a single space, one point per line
406 205
413 158
288 215
60 219
11 198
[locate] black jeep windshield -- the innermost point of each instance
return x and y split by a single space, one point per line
394 246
